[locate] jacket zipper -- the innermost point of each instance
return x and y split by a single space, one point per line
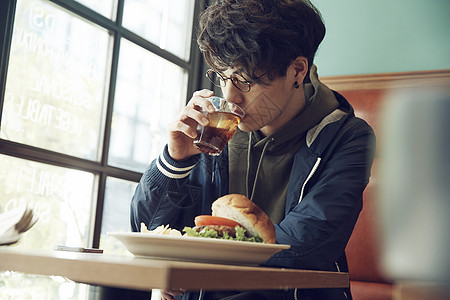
339 270
314 169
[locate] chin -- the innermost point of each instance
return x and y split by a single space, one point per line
248 127
249 124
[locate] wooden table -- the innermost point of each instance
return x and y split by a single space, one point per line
146 274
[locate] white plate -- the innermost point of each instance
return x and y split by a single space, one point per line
197 249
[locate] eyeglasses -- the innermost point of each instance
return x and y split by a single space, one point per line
238 81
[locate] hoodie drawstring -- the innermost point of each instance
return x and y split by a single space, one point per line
249 148
257 168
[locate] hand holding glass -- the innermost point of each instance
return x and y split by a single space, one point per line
222 126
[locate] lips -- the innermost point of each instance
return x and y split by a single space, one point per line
261 110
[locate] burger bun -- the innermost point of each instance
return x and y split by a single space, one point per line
240 209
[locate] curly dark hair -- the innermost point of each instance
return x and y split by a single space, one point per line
259 37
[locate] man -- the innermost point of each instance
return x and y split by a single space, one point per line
300 153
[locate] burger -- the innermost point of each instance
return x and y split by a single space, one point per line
234 217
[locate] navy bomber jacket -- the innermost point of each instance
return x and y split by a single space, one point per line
324 198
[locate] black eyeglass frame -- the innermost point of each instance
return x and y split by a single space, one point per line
235 81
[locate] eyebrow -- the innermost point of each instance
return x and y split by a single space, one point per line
240 75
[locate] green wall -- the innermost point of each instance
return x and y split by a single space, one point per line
382 36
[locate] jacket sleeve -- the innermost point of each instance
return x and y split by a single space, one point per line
163 192
319 226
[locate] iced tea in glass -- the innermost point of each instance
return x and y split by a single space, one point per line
223 123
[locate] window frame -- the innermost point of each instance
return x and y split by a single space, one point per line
195 68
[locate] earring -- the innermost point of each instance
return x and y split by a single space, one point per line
296 85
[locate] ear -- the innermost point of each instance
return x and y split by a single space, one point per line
299 68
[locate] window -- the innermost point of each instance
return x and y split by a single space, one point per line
56 85
86 90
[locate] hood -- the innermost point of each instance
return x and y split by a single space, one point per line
320 102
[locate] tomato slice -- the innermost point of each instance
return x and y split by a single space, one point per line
205 220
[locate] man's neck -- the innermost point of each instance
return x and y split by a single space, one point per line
291 110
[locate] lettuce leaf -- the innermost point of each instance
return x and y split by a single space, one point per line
211 233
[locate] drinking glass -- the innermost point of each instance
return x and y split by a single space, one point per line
223 123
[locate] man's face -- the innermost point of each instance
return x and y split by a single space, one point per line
266 107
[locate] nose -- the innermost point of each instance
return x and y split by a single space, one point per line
233 94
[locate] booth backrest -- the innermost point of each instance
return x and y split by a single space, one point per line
367 94
367 281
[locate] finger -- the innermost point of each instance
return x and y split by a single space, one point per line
176 292
187 122
194 114
181 127
203 93
199 101
170 294
166 296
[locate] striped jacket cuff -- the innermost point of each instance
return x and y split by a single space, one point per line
174 169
